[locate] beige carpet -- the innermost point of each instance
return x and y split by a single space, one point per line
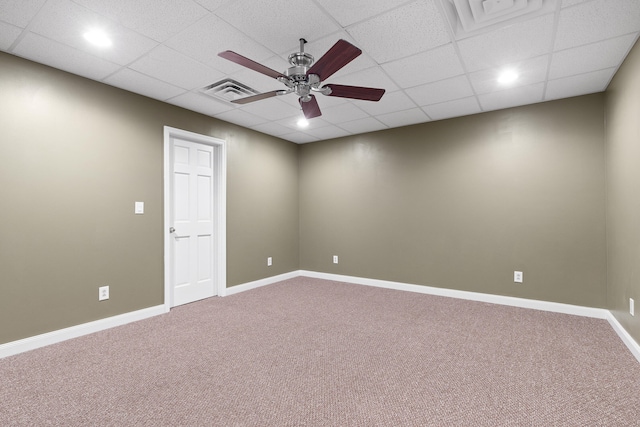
308 352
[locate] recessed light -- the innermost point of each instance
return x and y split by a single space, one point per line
507 77
98 38
303 123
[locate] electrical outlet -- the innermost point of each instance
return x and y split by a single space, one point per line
632 309
335 259
269 261
517 276
103 293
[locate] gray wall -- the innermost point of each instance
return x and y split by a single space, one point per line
462 203
74 156
623 192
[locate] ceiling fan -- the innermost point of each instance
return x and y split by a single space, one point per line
302 78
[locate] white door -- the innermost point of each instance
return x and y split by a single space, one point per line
192 218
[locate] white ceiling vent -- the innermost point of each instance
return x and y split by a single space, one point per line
228 90
469 17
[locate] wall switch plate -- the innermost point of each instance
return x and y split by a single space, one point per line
139 208
632 309
517 276
103 293
269 261
335 259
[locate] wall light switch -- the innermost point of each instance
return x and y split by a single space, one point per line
139 208
632 308
335 259
269 261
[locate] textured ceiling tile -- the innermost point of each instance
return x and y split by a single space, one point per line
372 77
512 97
201 103
45 51
390 102
342 113
271 109
352 11
367 124
591 57
456 108
403 118
507 45
300 137
66 22
567 3
425 67
209 36
175 68
19 12
241 118
259 19
583 84
8 35
595 21
330 132
272 128
211 5
156 19
412 28
444 90
529 72
139 83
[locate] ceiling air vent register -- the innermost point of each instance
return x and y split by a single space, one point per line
228 90
468 17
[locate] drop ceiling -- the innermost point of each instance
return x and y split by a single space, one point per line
436 59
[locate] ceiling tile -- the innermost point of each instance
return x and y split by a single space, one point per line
567 3
444 90
259 19
66 22
352 11
300 137
529 72
416 27
271 109
425 67
139 83
403 118
342 113
593 82
156 19
456 108
292 123
390 102
330 132
272 128
507 45
372 77
241 118
8 34
595 21
19 12
591 57
512 97
209 36
367 124
175 68
201 103
211 5
45 51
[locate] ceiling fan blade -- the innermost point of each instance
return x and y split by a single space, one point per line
337 57
310 109
355 92
249 63
257 97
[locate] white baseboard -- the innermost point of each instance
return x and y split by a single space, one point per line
627 339
31 343
555 307
258 283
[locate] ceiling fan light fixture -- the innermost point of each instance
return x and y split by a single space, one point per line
302 122
508 77
98 38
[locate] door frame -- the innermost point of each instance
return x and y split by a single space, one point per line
220 209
